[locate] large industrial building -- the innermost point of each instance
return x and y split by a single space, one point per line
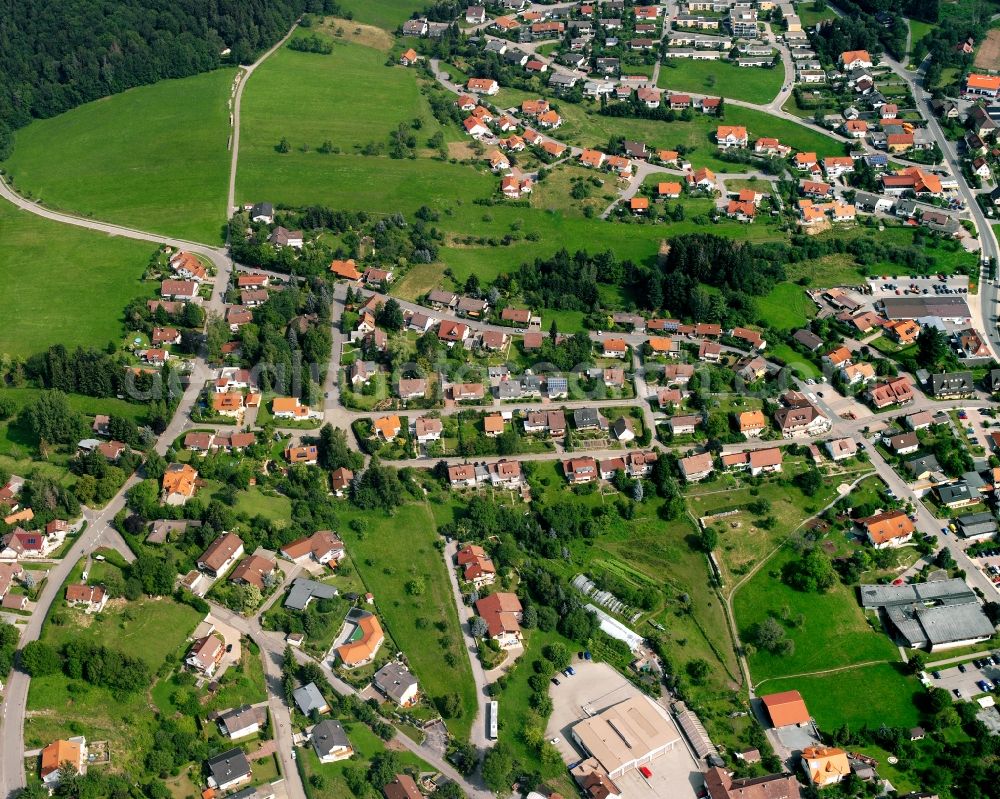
937 615
627 735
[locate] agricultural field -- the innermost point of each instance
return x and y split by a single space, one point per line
387 14
155 158
63 284
752 84
334 87
399 562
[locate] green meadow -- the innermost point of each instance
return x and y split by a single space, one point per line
155 158
64 284
388 14
351 99
753 84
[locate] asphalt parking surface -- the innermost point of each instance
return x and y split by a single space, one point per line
952 678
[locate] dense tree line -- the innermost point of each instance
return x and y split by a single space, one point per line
571 281
290 360
854 32
93 663
393 240
57 55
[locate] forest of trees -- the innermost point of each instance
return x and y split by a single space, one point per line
58 55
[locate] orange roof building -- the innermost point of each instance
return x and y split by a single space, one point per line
363 643
59 753
893 528
388 427
179 480
825 765
786 709
345 269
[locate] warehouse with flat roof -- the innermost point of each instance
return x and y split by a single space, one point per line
946 308
937 615
627 735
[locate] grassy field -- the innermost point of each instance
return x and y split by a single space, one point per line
63 284
59 708
832 698
918 30
753 84
353 100
389 554
154 157
388 14
809 17
834 631
787 306
742 547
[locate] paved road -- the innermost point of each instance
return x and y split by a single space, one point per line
242 77
989 293
272 647
478 738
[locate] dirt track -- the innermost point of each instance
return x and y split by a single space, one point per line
988 55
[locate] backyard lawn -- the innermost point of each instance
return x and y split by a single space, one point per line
334 783
63 284
399 561
154 157
752 84
59 708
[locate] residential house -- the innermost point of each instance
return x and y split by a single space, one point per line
238 722
363 643
825 765
580 470
752 423
897 391
889 529
696 467
179 483
765 460
307 454
221 554
800 417
92 598
255 570
841 449
727 136
309 699
952 386
229 770
502 613
395 681
206 653
330 742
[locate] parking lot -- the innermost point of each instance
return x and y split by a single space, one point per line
596 687
912 285
965 676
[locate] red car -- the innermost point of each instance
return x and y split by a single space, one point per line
644 770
